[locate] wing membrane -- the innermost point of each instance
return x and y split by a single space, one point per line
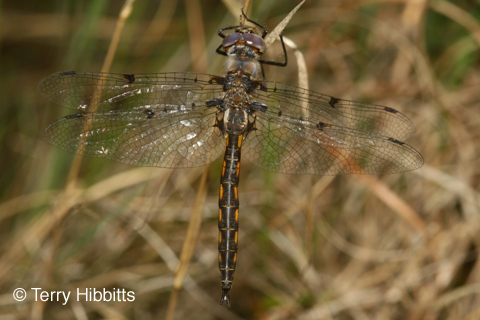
293 102
289 147
178 140
143 120
86 91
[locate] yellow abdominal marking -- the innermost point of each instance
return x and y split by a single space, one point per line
237 173
240 140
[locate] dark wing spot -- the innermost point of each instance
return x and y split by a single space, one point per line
129 77
280 113
396 141
255 105
214 102
320 126
68 73
252 85
193 106
149 113
333 101
262 87
388 109
219 80
73 116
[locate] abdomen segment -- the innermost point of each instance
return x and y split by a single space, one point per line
228 214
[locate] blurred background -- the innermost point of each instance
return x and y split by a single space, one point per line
401 246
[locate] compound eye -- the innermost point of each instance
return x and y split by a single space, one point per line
231 39
254 41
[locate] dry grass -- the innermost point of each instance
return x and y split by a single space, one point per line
401 246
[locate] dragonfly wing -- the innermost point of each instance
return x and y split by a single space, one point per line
90 92
148 137
300 147
294 102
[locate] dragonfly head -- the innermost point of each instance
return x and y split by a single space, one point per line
244 37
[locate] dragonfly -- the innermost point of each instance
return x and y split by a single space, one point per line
185 120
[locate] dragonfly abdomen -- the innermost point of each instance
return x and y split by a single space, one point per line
228 214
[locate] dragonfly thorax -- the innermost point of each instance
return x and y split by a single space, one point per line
249 66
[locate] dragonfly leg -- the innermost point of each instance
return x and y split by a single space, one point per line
276 63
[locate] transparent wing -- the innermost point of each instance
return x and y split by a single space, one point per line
292 102
303 132
86 91
300 147
143 120
153 138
